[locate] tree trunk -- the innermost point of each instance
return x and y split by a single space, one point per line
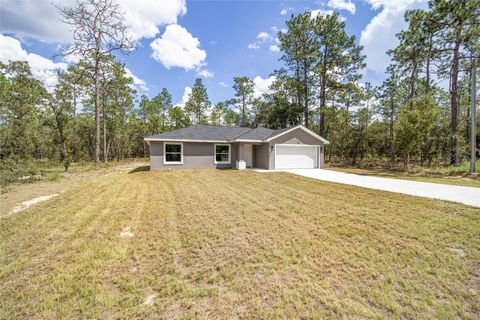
454 103
305 92
299 94
74 129
428 62
392 114
105 152
97 112
322 94
243 111
412 86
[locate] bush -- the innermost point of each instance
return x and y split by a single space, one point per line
26 171
463 168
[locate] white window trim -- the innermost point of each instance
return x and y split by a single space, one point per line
165 162
215 153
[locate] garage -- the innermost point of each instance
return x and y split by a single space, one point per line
296 156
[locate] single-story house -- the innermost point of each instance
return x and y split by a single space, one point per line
204 146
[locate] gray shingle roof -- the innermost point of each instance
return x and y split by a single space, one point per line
259 133
277 132
203 132
219 133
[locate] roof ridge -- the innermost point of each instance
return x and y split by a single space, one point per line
236 137
253 129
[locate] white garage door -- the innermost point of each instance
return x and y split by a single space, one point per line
295 156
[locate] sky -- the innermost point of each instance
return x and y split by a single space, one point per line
178 41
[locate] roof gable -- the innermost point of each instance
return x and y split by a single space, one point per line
281 132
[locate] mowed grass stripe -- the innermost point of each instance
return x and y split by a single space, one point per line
229 244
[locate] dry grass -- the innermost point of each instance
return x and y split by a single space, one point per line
227 244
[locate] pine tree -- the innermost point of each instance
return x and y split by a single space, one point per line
198 103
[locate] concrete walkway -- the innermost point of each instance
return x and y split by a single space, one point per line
466 195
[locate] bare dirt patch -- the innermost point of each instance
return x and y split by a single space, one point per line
26 204
126 233
17 193
149 300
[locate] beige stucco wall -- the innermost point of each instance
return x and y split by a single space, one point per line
297 136
261 155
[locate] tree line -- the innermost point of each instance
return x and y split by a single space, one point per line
94 113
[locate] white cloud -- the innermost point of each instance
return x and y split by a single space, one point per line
263 36
379 35
274 48
37 19
268 38
320 12
43 69
186 95
178 48
286 11
205 73
262 86
140 83
323 13
41 20
223 84
144 16
347 5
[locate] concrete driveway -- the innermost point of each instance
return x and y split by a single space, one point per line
466 195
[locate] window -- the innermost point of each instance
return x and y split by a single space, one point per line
173 153
222 153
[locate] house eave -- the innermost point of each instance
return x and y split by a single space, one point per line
310 132
186 140
247 140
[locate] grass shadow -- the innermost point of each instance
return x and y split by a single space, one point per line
140 169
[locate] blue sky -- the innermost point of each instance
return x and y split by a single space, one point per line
178 41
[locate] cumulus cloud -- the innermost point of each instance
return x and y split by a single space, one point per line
262 86
379 35
286 11
43 69
263 36
144 16
347 5
205 73
274 48
36 19
186 95
139 83
269 39
321 12
178 48
223 84
41 20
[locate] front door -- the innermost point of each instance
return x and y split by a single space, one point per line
248 155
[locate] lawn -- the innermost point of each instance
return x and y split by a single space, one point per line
224 244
